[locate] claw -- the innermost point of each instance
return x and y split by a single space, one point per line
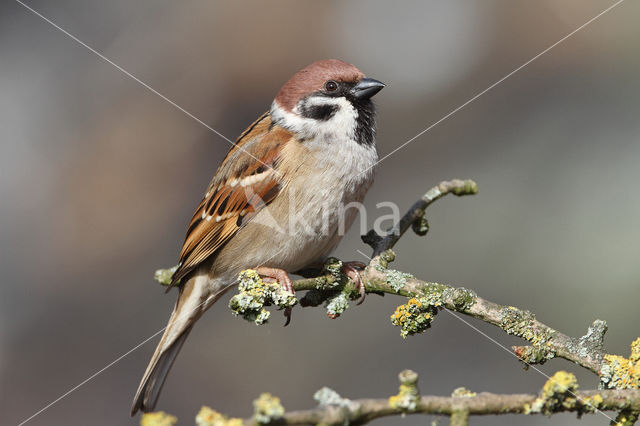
283 279
352 270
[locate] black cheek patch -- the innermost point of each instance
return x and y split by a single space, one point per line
318 112
366 123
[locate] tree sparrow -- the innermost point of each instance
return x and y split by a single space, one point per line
309 156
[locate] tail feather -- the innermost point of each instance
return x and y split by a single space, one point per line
188 308
149 390
195 297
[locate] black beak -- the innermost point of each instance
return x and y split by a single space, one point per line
366 88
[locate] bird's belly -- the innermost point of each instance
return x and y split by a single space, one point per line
305 226
306 221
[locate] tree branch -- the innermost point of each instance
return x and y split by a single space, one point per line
485 403
558 395
547 342
621 375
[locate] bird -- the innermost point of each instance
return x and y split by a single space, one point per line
277 202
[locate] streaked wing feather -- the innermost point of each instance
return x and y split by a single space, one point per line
241 187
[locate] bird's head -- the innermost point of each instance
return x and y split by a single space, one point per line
329 97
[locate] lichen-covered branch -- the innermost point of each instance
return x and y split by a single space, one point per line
425 298
482 404
558 395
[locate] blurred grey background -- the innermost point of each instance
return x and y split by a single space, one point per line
100 177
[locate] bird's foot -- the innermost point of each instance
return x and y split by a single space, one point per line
352 270
281 276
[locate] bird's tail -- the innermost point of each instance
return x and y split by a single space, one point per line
192 301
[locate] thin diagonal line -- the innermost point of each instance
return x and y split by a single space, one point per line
94 375
363 254
121 357
508 350
495 84
133 77
115 361
528 365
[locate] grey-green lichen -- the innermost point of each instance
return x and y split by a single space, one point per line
618 372
163 276
396 279
521 323
593 341
267 408
384 259
463 392
434 293
334 276
337 305
462 298
558 392
333 288
158 418
255 294
516 321
408 396
209 417
328 397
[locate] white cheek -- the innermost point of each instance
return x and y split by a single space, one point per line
341 125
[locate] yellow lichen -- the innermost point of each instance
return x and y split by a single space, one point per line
619 372
625 418
463 392
267 408
408 396
591 403
596 400
558 392
158 418
625 374
635 350
560 382
210 417
402 312
413 317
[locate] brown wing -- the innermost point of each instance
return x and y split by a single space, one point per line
244 183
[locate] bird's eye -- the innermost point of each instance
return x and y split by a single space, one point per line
331 86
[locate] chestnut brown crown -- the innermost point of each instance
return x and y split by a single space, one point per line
313 78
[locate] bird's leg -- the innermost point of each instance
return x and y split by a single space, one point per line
283 279
352 270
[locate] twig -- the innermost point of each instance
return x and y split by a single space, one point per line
415 215
547 342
